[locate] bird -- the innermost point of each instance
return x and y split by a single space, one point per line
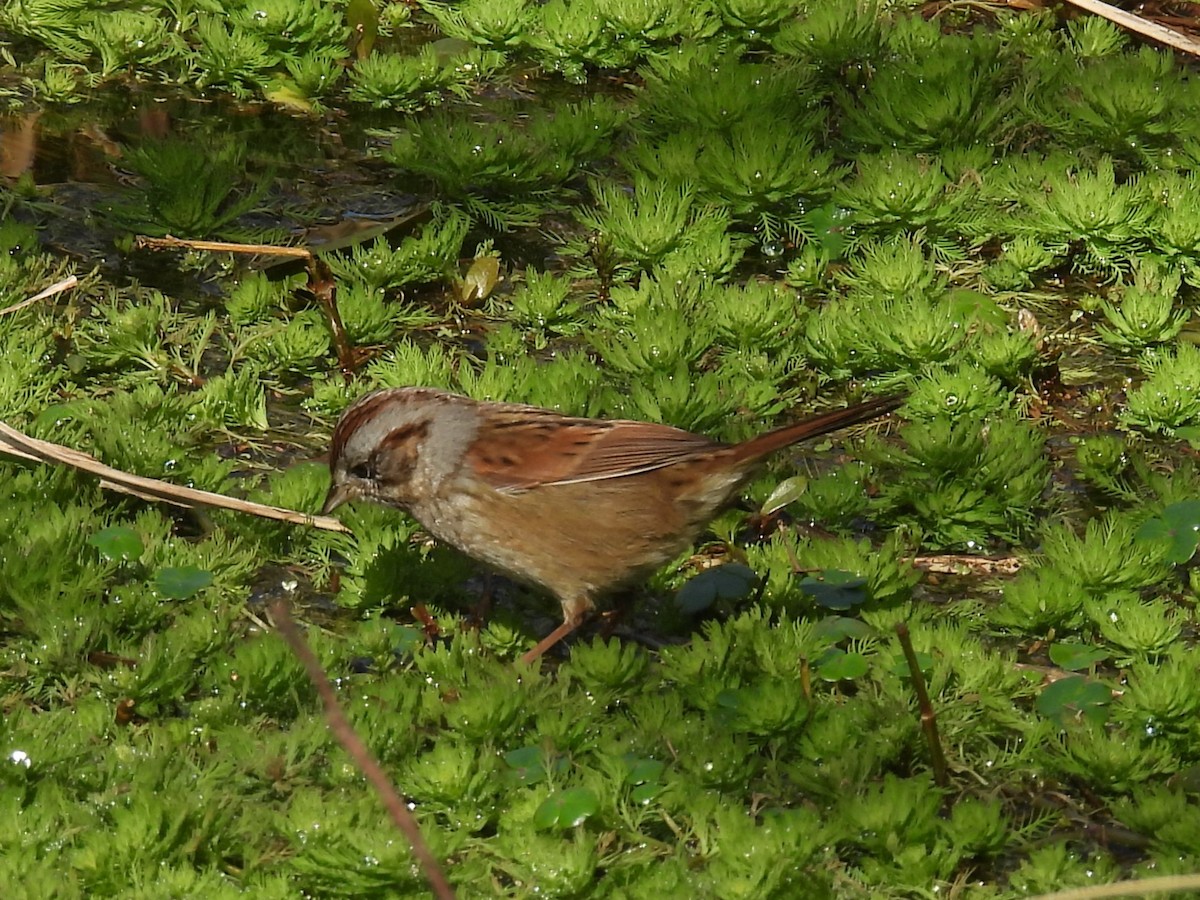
578 507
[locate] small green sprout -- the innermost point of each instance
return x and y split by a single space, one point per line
1169 398
839 36
494 24
931 100
191 189
1143 314
1107 556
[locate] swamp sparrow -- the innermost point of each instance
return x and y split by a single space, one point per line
575 506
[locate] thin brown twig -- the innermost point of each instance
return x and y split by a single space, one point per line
174 243
937 757
323 286
358 752
21 445
57 288
1137 887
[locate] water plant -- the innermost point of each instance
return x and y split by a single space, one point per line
722 216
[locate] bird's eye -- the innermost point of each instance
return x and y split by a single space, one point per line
363 470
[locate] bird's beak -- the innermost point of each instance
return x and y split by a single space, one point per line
338 494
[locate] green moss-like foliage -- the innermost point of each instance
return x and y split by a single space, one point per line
723 216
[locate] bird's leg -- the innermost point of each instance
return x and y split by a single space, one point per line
483 606
575 613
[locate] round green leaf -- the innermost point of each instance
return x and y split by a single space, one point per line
644 793
566 809
117 542
836 664
838 628
527 763
834 589
731 581
1076 657
182 582
1178 529
1074 696
968 307
900 664
643 771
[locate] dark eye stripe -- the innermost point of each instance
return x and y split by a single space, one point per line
398 438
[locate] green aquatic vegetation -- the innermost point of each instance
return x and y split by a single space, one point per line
694 88
897 810
572 383
409 363
891 269
1009 355
316 75
1106 223
1094 37
191 188
1041 601
292 27
1158 699
236 399
967 481
145 430
913 333
1136 106
959 394
696 402
130 332
254 299
656 223
1104 460
1177 226
931 102
370 317
570 36
755 20
408 83
229 57
25 388
429 255
1169 398
656 338
495 24
55 23
547 303
1116 763
757 316
501 173
766 178
900 194
574 36
838 36
639 25
836 500
1021 258
128 39
298 345
892 334
1169 817
1143 313
888 581
1107 556
1140 629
